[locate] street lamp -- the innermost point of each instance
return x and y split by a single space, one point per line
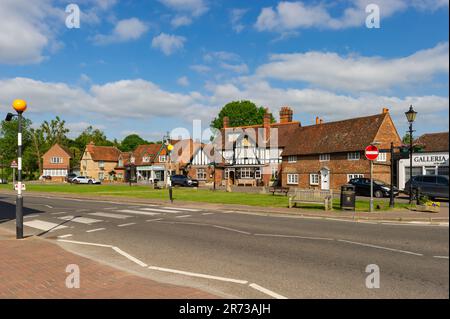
411 117
169 148
19 106
213 165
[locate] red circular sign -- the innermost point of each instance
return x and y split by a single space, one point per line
372 152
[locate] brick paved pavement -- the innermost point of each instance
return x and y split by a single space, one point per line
36 268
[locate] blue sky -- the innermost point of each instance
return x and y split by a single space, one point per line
147 67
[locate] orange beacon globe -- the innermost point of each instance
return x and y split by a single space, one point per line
19 105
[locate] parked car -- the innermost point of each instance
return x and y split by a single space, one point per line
183 180
429 185
70 177
84 180
45 178
380 189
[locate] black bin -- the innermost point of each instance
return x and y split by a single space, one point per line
348 197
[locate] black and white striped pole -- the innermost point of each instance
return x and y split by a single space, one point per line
19 106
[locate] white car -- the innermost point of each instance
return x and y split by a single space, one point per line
84 180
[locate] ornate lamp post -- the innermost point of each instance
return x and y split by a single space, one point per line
411 117
19 106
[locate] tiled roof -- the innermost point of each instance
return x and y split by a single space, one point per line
340 136
63 148
434 142
148 150
103 153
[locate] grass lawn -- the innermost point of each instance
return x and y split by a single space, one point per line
187 194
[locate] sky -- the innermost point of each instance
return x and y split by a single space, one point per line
147 67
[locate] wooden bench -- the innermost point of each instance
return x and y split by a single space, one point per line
279 190
245 182
315 196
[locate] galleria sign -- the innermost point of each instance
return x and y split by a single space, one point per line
431 159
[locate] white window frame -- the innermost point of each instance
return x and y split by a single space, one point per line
246 173
324 157
353 156
101 164
314 179
162 158
292 179
201 174
145 159
56 160
382 157
292 159
354 175
258 174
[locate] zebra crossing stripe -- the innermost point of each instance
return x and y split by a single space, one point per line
183 209
81 220
161 210
110 215
137 212
43 225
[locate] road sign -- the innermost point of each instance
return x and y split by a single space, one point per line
16 187
14 164
372 152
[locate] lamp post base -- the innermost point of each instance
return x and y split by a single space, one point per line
19 217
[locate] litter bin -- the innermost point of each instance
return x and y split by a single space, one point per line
348 197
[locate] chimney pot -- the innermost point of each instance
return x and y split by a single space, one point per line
286 114
385 110
317 120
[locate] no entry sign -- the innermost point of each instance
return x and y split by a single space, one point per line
372 152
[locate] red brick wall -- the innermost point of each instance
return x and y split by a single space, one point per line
55 151
209 174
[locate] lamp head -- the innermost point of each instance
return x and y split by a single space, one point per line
411 114
19 105
9 117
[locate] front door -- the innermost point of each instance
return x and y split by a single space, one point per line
325 179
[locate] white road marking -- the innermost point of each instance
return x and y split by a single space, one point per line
137 212
84 243
125 225
42 225
65 236
94 230
193 274
81 220
59 213
294 236
380 247
231 229
117 216
441 257
183 216
170 211
82 210
267 291
48 206
183 209
153 220
31 216
110 208
208 214
128 256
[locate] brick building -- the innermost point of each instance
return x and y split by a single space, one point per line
56 163
100 162
328 155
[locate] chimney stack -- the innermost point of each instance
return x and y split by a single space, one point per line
226 122
267 118
317 120
286 114
385 110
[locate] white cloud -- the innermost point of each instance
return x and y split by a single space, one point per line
168 43
357 73
221 55
200 68
236 68
236 16
180 21
194 7
288 16
125 30
183 81
28 29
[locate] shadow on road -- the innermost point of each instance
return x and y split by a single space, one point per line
8 210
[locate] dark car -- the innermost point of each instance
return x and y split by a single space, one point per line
429 185
70 177
183 180
380 189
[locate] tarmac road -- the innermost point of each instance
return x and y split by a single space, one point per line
238 255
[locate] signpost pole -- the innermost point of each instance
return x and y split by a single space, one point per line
371 187
391 195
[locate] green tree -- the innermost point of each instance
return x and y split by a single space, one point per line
130 143
240 113
92 135
55 132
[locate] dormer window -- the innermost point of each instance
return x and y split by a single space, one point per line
132 159
162 158
146 159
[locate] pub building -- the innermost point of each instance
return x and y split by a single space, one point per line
431 159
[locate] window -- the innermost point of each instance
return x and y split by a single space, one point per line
292 158
443 170
162 158
429 179
146 159
415 171
258 174
100 176
101 164
430 170
353 156
274 172
352 176
382 157
246 172
324 157
314 179
201 174
132 159
56 160
120 164
292 179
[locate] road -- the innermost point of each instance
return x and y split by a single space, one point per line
240 255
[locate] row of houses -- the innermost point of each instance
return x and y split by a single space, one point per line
324 155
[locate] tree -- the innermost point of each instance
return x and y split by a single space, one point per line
130 143
55 132
240 113
38 146
92 135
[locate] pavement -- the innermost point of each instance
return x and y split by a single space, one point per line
241 254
